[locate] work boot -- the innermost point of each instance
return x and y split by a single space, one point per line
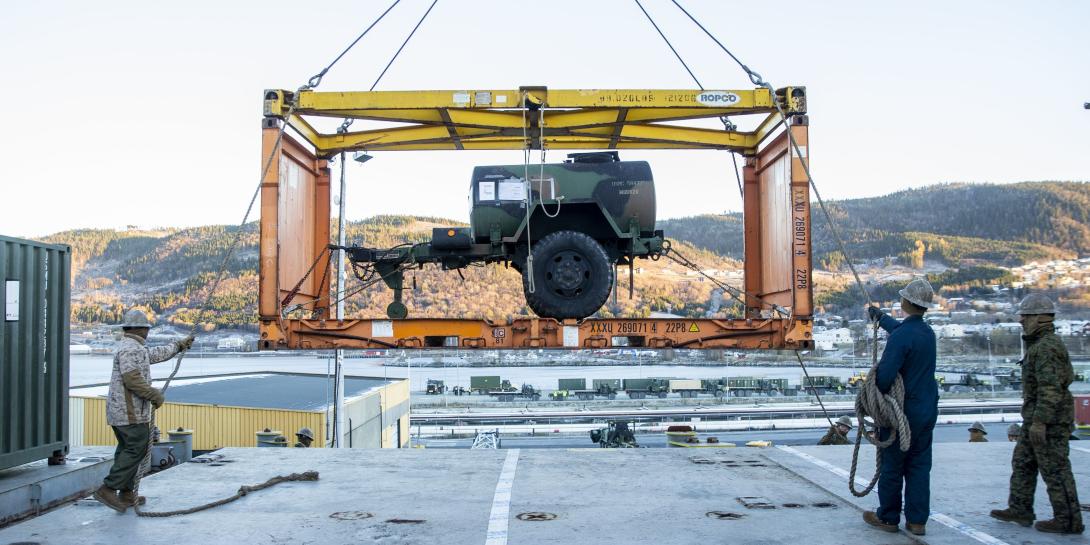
915 529
128 497
1054 526
108 497
870 517
1010 516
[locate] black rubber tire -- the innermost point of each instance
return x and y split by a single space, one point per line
572 276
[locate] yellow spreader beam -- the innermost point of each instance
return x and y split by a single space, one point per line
535 117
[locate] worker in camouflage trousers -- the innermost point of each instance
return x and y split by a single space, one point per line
129 407
910 353
838 433
1047 411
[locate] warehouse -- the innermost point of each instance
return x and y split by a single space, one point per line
228 410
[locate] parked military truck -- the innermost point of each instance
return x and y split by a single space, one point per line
564 230
717 387
577 387
640 388
435 387
823 384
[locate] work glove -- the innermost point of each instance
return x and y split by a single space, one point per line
186 343
1037 434
157 398
874 313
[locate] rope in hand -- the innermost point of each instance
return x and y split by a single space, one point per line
885 410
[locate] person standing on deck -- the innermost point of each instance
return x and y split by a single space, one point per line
129 406
910 353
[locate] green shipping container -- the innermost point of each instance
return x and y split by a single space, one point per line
488 382
34 290
571 384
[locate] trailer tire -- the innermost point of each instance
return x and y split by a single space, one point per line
572 276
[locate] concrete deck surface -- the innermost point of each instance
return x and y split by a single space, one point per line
597 496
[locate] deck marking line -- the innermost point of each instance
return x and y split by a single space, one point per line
940 518
501 501
1082 449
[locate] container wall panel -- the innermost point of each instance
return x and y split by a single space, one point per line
34 294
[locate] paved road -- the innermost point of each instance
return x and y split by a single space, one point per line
954 433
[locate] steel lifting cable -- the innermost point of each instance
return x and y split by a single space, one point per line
887 410
314 81
726 121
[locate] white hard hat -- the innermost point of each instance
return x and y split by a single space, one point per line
1036 303
134 319
919 293
845 421
305 432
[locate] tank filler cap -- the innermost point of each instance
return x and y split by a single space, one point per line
594 157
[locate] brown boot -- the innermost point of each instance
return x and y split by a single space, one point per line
870 517
1010 516
915 529
128 497
1054 526
108 497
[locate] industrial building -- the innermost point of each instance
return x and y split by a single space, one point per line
228 410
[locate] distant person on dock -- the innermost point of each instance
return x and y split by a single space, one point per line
838 433
910 353
129 406
303 438
977 433
1048 410
1013 432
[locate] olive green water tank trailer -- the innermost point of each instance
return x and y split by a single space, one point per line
586 216
34 291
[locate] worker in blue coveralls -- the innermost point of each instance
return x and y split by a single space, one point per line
910 353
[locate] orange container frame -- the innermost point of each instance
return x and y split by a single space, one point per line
295 230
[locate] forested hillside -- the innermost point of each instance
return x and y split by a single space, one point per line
970 228
952 224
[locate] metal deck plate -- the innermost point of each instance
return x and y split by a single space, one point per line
556 496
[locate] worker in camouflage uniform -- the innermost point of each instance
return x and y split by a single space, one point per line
838 433
1047 412
303 438
910 353
129 406
977 433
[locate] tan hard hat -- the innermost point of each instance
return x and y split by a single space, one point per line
845 421
305 432
919 293
135 318
1036 303
977 426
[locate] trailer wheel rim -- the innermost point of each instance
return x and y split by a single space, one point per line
567 273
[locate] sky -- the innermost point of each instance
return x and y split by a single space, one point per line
148 113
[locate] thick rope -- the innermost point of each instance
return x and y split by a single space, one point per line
886 411
242 491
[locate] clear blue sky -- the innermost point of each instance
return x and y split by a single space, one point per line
147 113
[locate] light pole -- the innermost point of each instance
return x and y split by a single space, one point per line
338 415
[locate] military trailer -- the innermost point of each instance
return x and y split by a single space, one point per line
482 384
564 229
527 392
685 387
823 384
607 387
640 388
435 387
571 384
